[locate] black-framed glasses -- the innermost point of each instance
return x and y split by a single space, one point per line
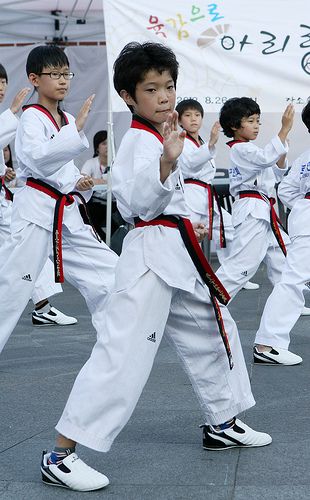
56 75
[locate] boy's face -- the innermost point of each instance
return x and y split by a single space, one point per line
3 86
51 88
191 120
249 128
155 97
6 154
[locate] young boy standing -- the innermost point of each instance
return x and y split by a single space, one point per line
258 236
46 141
44 313
198 169
158 289
285 303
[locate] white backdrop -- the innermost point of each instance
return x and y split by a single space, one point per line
230 48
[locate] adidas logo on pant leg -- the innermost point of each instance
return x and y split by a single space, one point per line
152 337
27 277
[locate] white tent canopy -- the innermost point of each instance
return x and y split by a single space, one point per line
51 20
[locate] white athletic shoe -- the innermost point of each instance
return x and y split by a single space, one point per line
305 311
52 317
276 356
249 285
72 473
239 435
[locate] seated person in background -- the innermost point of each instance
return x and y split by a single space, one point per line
97 169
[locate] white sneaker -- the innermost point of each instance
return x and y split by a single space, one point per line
52 317
305 311
249 285
239 435
276 356
72 473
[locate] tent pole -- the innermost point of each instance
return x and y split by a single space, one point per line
111 156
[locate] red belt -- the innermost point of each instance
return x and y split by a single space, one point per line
212 195
8 194
217 290
274 219
307 195
62 201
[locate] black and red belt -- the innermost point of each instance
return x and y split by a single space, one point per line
212 195
217 290
274 219
8 194
62 201
307 195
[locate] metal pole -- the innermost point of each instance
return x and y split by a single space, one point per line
111 156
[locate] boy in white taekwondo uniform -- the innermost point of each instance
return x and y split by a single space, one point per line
198 169
46 141
285 303
157 290
258 236
45 286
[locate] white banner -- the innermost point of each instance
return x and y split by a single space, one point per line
258 48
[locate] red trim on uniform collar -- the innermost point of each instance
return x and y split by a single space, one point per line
44 110
142 124
232 143
191 138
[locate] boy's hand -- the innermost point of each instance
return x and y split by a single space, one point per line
287 123
18 100
83 113
173 145
85 183
214 134
200 231
9 174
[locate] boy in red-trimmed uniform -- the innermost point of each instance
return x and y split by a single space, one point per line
160 287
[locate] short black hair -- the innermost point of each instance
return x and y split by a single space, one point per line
3 73
136 59
44 56
186 104
305 116
9 163
234 110
99 137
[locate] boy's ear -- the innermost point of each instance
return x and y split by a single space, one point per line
127 98
33 79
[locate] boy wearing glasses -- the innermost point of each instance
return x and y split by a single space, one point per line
47 140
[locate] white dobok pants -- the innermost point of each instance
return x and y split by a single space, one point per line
88 265
286 301
109 385
253 243
45 285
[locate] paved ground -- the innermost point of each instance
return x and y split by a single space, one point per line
158 456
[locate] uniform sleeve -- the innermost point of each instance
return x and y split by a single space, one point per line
289 189
87 168
252 159
136 178
192 161
8 126
46 155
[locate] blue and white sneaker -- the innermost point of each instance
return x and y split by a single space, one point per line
239 435
71 473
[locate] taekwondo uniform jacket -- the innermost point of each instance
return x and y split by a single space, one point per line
251 168
196 162
45 152
292 191
8 126
139 193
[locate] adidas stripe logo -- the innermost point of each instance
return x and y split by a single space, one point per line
152 337
27 277
244 273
